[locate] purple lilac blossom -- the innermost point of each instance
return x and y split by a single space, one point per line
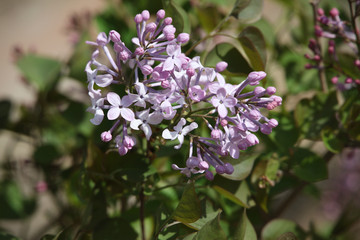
168 87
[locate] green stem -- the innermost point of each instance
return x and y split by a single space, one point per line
353 23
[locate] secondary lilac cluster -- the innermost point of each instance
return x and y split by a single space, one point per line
333 27
168 88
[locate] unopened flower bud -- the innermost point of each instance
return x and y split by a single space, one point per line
317 58
223 122
129 142
151 27
101 39
259 91
265 129
114 36
334 12
357 81
190 72
357 63
348 80
308 66
220 169
273 123
192 162
203 165
216 133
255 77
271 90
221 66
318 31
160 14
165 84
41 187
145 15
209 175
138 18
139 51
331 49
106 136
320 11
183 37
335 80
123 150
168 21
146 70
124 55
252 139
229 169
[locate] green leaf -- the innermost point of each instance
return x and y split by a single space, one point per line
229 196
247 11
229 53
41 72
331 140
312 115
179 16
245 230
254 45
308 166
204 219
208 17
114 228
211 231
287 236
188 210
274 229
242 167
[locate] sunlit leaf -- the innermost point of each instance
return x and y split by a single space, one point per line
41 72
276 228
211 231
188 210
179 16
242 167
248 11
245 230
331 140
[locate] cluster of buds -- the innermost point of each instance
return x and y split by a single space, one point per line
332 27
166 92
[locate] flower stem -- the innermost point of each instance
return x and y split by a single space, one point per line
353 23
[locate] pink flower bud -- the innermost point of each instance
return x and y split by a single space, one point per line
124 56
203 165
271 90
308 66
223 122
331 49
255 77
151 27
146 70
160 14
123 150
265 129
139 51
259 91
168 21
114 36
183 37
273 123
357 63
145 15
118 47
335 80
192 162
138 18
106 136
357 81
252 139
190 72
348 80
216 133
320 11
129 142
41 186
221 66
101 39
165 84
317 58
334 12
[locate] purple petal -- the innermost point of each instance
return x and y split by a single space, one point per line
113 99
169 135
230 101
222 110
147 130
127 114
135 124
98 117
113 113
221 93
127 100
168 64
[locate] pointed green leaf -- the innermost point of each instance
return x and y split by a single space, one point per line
188 210
308 166
254 45
229 196
211 231
41 72
245 230
274 229
242 167
229 53
332 142
179 16
247 11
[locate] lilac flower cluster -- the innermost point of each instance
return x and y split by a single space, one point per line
332 27
166 87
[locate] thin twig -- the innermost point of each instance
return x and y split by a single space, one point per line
353 23
142 214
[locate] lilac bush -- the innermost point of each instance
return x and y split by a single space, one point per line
171 93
